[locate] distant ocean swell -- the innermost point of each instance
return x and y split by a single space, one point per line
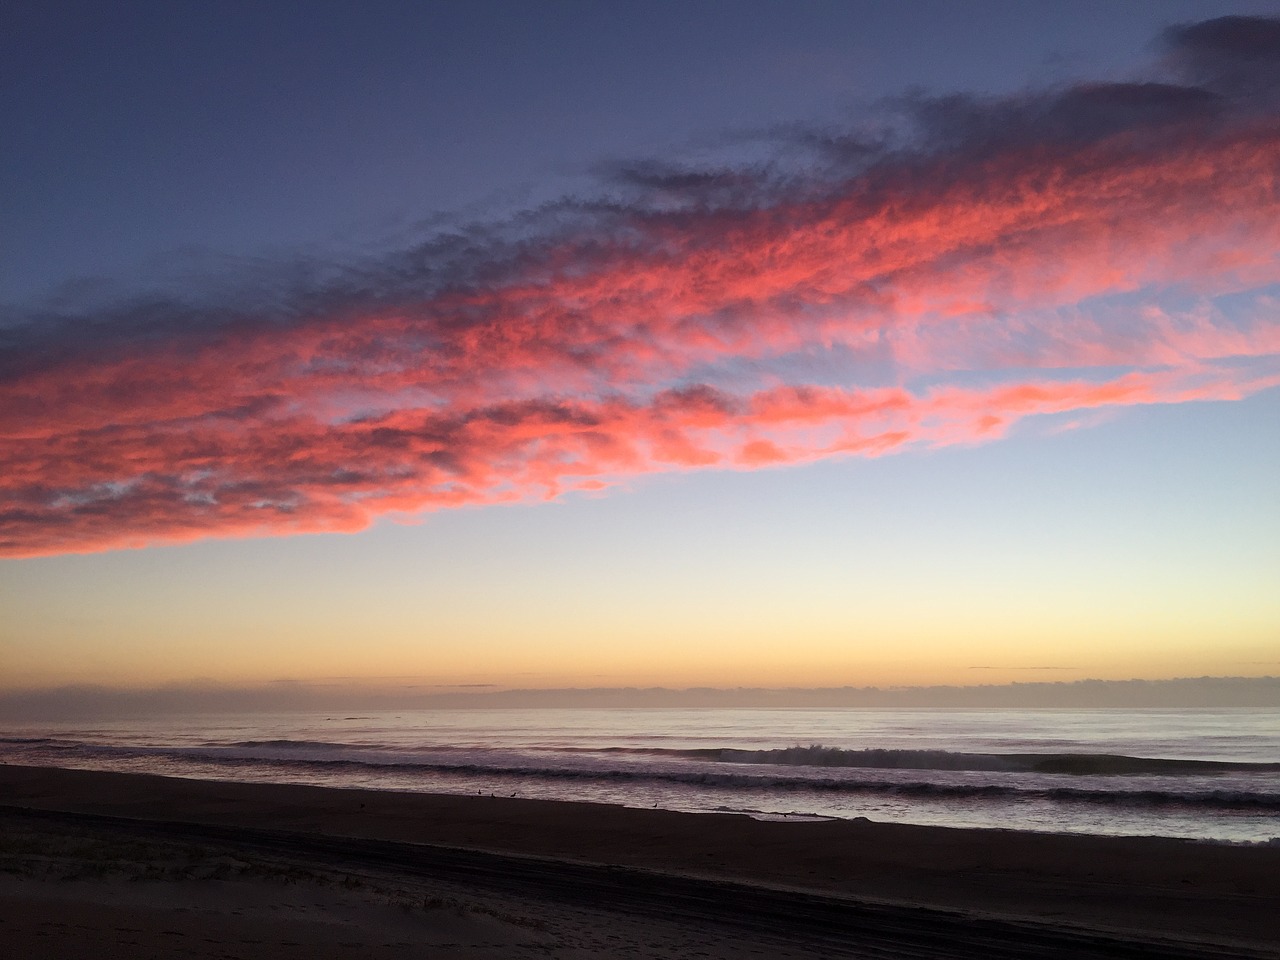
234 756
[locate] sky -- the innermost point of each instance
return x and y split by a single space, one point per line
497 345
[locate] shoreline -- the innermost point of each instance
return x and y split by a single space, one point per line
1200 892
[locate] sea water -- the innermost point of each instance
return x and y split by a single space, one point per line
1204 774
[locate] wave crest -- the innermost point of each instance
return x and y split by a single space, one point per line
1092 764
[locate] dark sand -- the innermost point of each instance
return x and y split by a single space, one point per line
129 865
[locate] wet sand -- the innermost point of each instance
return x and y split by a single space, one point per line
510 877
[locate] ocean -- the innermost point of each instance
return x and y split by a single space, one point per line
1203 774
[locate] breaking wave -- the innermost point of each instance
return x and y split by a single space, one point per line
299 756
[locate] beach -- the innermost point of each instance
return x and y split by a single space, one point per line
480 876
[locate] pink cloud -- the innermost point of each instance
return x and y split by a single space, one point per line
1034 277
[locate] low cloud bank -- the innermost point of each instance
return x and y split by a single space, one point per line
80 703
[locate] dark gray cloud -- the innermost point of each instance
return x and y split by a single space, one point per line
1235 56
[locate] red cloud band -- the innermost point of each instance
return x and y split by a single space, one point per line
571 370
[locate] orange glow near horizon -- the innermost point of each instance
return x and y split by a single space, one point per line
856 626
